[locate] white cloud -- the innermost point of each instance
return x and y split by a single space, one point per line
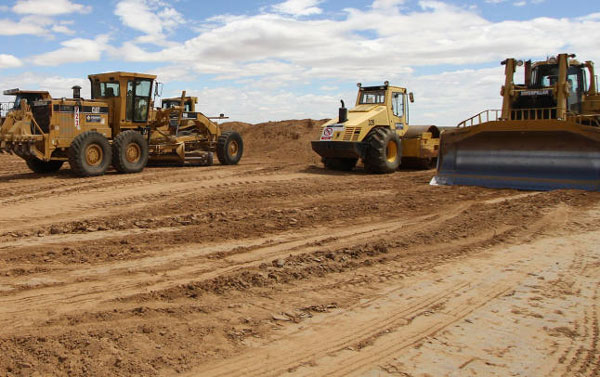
76 50
360 47
49 7
26 25
9 61
58 86
299 7
152 17
387 4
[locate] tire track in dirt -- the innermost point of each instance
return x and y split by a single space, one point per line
66 296
94 203
396 324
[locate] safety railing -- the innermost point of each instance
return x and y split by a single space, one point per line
482 117
549 113
588 120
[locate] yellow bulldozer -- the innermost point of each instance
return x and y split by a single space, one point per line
117 126
377 131
547 135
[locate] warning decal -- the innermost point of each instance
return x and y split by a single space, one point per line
329 132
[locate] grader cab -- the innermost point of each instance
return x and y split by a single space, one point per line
117 125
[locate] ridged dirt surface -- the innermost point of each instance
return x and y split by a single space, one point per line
279 267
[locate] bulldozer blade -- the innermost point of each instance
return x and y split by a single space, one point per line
545 156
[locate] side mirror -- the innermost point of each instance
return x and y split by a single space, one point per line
411 97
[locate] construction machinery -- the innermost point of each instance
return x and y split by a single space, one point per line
547 135
117 126
377 131
28 95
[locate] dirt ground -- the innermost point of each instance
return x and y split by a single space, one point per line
278 267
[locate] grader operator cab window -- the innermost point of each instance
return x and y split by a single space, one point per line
105 89
375 97
138 100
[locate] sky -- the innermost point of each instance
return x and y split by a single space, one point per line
266 60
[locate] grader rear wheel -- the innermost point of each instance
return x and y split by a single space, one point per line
89 154
130 152
230 148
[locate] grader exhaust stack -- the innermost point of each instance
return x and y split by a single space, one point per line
547 135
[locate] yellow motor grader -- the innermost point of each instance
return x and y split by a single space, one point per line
547 135
117 126
376 130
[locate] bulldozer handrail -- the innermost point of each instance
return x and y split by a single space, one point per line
482 117
587 119
547 113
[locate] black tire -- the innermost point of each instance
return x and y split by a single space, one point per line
43 167
384 151
342 164
230 148
89 154
130 152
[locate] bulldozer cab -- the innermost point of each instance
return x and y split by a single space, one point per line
128 96
547 76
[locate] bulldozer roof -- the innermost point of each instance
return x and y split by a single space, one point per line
113 76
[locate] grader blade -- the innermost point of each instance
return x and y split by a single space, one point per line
534 155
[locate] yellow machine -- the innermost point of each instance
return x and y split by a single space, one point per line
118 125
376 130
547 135
28 95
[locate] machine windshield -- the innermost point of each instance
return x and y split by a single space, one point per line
372 97
30 97
547 75
187 106
105 89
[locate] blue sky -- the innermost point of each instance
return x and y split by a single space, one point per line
273 60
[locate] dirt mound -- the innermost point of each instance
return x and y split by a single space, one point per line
287 140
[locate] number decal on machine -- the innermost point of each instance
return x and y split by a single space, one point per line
76 118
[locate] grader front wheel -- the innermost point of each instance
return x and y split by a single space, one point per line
89 154
230 148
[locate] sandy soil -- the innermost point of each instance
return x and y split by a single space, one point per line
278 267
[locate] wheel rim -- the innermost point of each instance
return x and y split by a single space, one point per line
133 153
233 148
392 151
94 155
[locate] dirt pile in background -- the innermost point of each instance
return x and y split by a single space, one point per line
287 140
